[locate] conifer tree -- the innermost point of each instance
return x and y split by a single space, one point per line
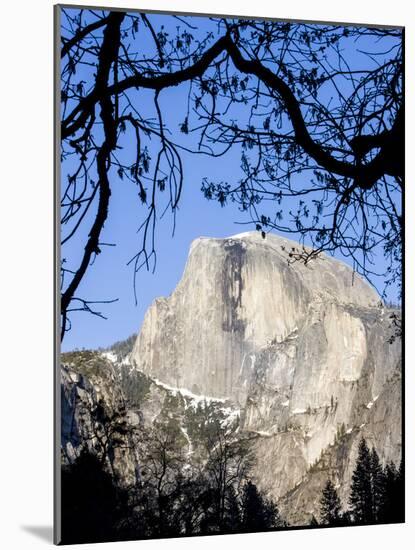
313 522
378 486
258 514
394 500
400 494
361 501
330 505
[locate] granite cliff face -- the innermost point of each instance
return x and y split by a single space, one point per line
302 350
295 358
239 294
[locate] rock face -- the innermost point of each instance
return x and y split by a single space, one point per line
302 350
91 400
113 410
236 296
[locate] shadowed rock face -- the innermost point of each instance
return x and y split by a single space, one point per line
302 349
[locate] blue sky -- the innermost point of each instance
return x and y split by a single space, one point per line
110 277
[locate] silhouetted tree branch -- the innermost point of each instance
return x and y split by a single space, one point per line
320 137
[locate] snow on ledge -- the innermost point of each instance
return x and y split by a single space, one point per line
299 411
187 393
110 355
371 403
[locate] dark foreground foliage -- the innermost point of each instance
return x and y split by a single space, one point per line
92 505
376 494
170 498
219 498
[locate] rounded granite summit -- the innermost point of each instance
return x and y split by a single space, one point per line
236 295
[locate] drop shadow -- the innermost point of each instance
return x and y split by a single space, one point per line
42 532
